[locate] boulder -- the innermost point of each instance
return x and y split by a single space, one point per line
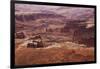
20 35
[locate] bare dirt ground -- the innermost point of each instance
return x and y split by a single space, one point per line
57 53
58 27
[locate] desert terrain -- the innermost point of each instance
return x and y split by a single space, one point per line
53 34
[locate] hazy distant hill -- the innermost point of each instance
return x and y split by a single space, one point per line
68 12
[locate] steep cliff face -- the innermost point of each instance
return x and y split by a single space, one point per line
82 32
58 34
34 16
37 21
74 13
70 21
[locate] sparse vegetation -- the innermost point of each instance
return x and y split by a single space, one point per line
67 34
68 53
